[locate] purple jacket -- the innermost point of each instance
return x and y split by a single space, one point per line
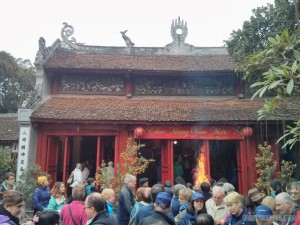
5 220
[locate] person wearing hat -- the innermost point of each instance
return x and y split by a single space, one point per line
256 196
162 207
144 182
41 195
263 215
196 207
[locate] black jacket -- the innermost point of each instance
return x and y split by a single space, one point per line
103 218
157 217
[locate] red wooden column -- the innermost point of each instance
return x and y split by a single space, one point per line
242 170
167 164
65 163
98 153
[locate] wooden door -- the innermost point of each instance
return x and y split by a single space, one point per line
52 157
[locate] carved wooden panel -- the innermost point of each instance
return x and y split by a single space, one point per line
89 84
210 85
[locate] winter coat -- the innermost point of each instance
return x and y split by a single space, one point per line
6 218
41 197
78 212
55 204
77 179
175 205
4 187
157 217
126 202
238 220
103 218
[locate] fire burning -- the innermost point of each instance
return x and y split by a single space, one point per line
199 173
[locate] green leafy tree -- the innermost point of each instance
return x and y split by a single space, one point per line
133 163
17 79
266 21
27 182
8 163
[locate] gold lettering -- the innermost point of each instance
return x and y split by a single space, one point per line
183 133
198 130
156 131
220 131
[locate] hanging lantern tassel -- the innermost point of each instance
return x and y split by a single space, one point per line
247 131
139 132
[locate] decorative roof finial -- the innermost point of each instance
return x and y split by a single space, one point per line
127 40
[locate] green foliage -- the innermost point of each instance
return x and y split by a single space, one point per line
133 163
27 181
8 163
266 167
266 21
286 171
17 79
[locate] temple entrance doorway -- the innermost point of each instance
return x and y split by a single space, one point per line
223 161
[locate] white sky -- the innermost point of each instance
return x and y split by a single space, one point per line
99 22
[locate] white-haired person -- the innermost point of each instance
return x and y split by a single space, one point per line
126 199
286 207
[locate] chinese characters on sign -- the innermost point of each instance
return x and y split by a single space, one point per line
23 150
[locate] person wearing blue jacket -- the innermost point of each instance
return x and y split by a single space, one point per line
41 195
238 213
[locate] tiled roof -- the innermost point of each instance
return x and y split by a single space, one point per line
9 127
70 60
167 109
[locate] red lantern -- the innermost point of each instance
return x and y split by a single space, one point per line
247 131
139 132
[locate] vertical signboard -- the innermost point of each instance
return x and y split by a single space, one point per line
23 150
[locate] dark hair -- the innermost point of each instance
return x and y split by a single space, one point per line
49 217
205 187
204 219
98 203
156 188
189 185
8 175
90 181
276 186
191 207
12 197
168 184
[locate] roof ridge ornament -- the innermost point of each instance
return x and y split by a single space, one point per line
127 40
66 32
179 32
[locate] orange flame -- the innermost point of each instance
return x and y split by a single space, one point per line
200 176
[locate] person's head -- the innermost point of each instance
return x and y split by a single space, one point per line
146 195
94 204
156 188
275 187
255 195
263 215
78 166
189 185
228 187
295 191
110 163
218 194
91 181
49 217
163 202
185 195
197 203
13 202
168 184
205 187
284 203
144 182
78 192
10 178
270 202
139 194
108 195
204 219
130 181
177 188
58 189
234 202
43 181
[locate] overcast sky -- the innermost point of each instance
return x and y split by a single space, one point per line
99 22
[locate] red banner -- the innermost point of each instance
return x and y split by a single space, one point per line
193 132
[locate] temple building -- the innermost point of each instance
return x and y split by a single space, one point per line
185 103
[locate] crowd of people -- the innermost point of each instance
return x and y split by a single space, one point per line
140 204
